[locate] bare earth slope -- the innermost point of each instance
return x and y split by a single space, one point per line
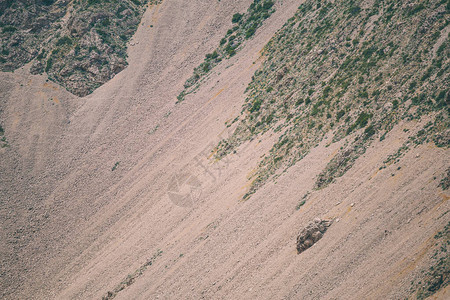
91 192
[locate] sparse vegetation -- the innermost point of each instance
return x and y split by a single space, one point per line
131 278
305 81
3 140
116 165
438 275
300 204
245 27
445 182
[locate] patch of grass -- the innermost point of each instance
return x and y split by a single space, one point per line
245 27
116 165
300 204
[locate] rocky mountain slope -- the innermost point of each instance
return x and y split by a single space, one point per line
78 44
349 68
250 149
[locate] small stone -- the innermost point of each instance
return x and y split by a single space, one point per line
317 236
337 220
308 243
353 204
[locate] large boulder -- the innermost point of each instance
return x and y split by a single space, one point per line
311 234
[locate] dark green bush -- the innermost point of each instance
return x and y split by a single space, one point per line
251 31
48 2
256 105
326 91
339 115
236 18
8 28
354 10
92 2
206 67
268 5
65 40
369 131
49 65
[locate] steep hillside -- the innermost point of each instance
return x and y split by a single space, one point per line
251 149
353 69
79 44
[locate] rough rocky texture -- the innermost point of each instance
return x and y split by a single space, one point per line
79 44
437 276
350 68
24 26
74 228
311 234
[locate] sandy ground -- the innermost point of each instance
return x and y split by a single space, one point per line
72 228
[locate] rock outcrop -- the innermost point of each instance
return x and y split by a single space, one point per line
311 234
80 45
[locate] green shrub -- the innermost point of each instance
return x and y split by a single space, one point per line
369 131
105 22
363 94
213 55
256 105
354 10
41 55
65 40
206 67
360 122
394 104
339 115
48 2
236 18
268 5
8 28
299 101
115 166
93 2
250 32
49 65
326 91
300 204
363 119
415 9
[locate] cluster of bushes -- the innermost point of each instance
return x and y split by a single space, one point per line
369 69
245 26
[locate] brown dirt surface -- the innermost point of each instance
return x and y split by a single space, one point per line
90 185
